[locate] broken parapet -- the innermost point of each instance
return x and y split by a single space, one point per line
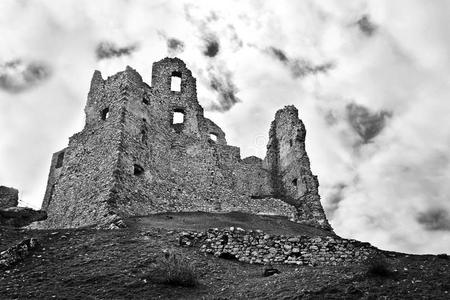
149 149
290 169
20 216
9 197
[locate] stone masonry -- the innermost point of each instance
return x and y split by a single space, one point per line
9 197
149 149
257 247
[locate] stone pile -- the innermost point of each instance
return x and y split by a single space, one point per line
257 247
17 253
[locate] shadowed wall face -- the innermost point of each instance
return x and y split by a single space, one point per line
149 149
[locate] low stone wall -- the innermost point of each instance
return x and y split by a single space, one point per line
257 247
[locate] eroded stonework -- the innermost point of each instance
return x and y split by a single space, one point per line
9 197
134 157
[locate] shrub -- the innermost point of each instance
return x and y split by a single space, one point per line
177 271
443 256
378 267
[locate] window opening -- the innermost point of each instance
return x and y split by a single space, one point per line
178 116
290 143
59 160
213 137
145 101
105 114
294 182
138 170
175 82
144 136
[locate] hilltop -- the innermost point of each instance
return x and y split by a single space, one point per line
126 264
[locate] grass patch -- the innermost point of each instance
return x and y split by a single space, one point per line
177 271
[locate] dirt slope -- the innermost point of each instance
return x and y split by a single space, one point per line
123 264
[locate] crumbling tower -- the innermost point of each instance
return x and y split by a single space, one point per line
148 149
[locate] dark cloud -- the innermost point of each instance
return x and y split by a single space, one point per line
17 76
221 82
175 46
366 124
212 46
211 41
109 49
434 219
279 54
299 67
302 68
366 26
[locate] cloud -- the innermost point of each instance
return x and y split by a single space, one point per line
212 46
367 124
221 81
106 50
175 46
434 219
335 196
366 26
299 67
17 76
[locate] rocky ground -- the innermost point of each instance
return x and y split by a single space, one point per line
125 264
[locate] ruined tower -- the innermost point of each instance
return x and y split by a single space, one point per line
149 149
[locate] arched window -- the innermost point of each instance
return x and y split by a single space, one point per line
175 82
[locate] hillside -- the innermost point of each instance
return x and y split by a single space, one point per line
126 264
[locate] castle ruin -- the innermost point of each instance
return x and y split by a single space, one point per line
149 149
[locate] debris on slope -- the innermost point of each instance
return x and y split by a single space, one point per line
17 253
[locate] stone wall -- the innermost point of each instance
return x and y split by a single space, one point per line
261 248
9 197
288 161
133 159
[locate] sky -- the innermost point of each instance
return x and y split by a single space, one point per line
371 81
